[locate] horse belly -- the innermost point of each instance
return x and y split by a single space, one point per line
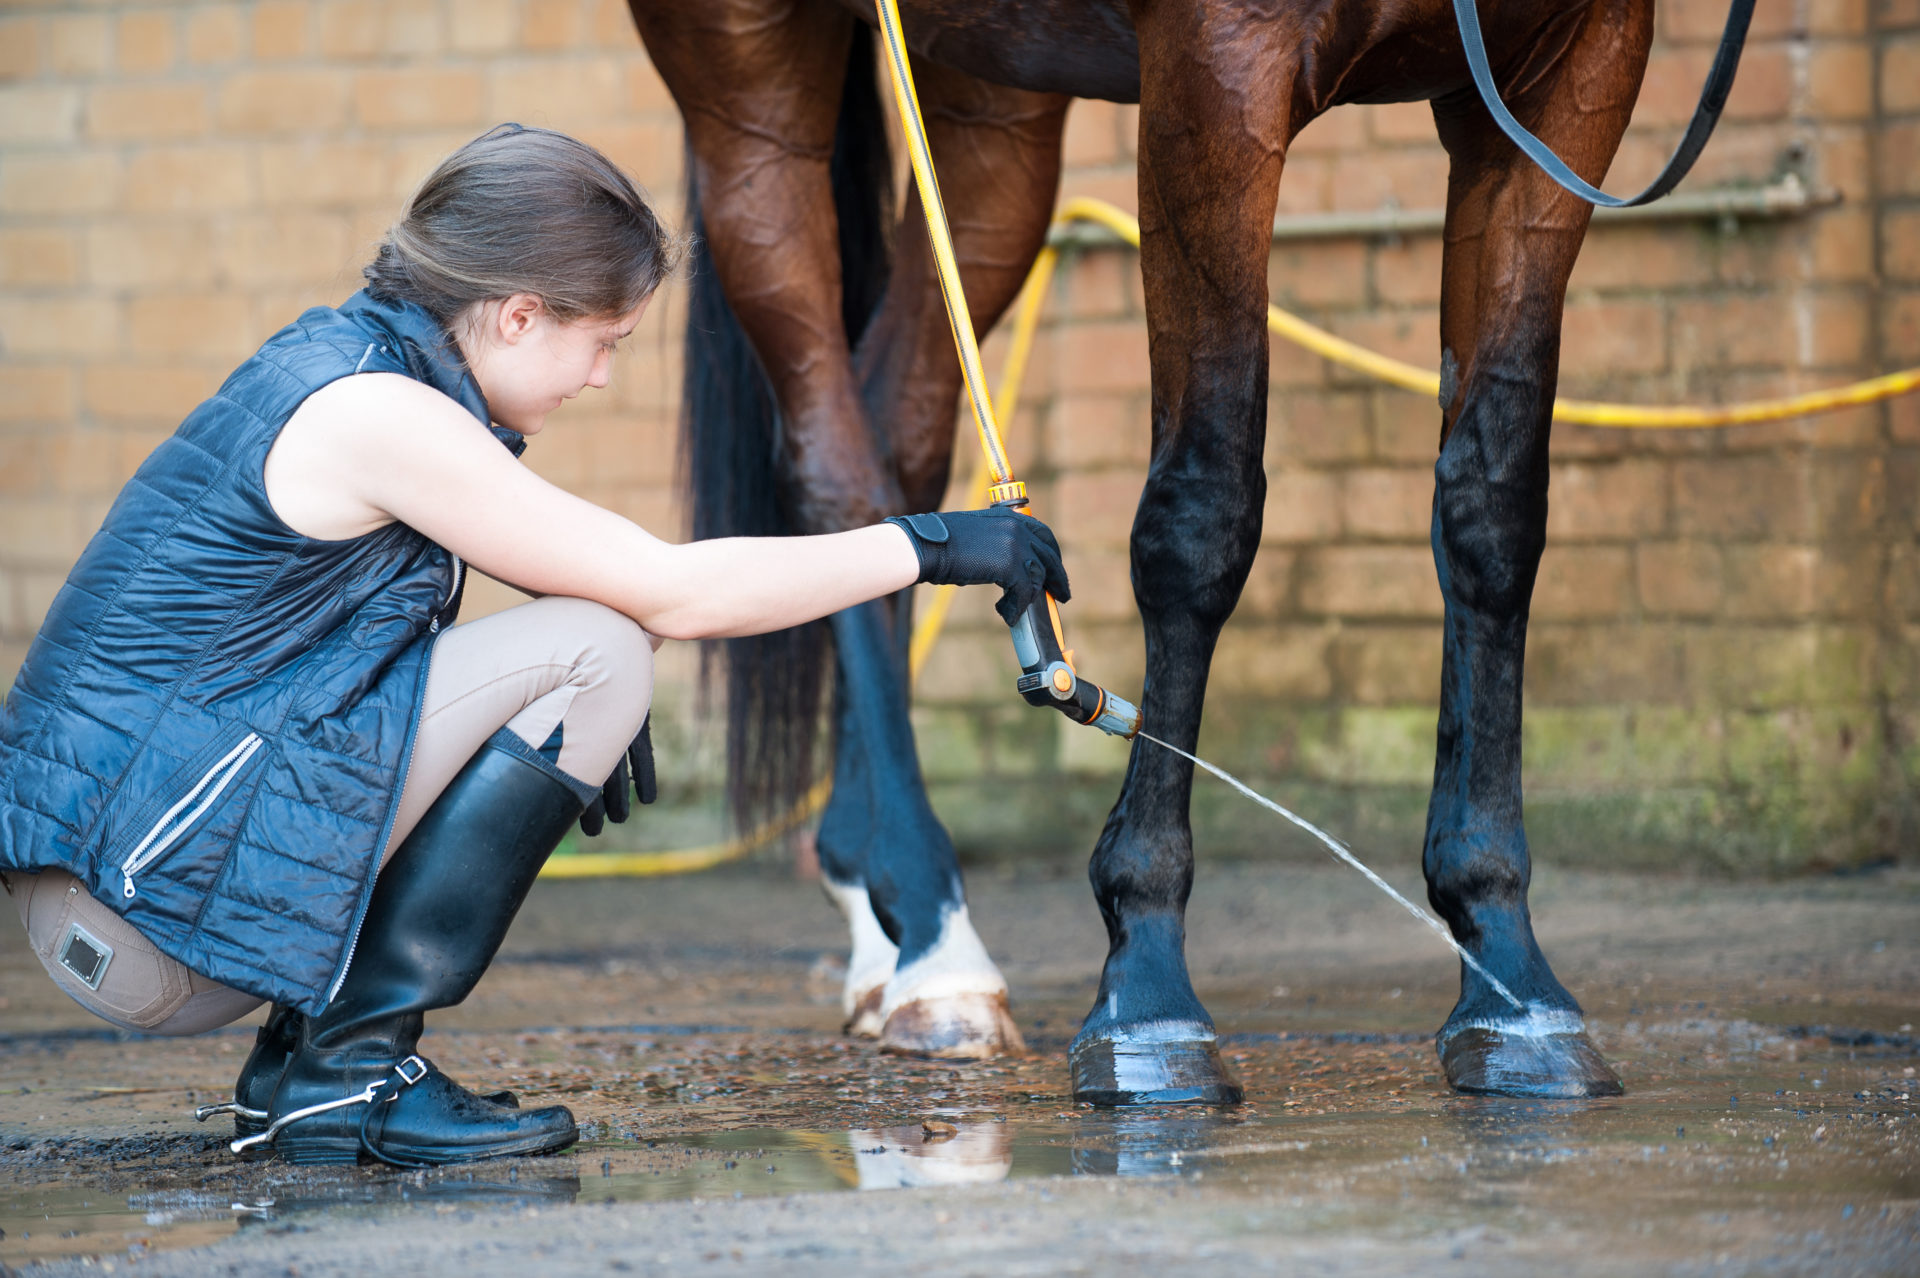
1081 47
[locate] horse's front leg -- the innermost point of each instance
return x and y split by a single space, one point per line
998 150
1512 236
1213 133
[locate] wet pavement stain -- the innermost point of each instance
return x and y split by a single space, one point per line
1770 1125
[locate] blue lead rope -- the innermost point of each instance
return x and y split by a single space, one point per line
1713 100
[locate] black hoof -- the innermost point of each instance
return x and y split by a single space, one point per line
1484 1061
1109 1073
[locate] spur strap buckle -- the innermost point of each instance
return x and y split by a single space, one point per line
409 1071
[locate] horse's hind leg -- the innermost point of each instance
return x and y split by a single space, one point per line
1512 236
760 84
998 150
1213 134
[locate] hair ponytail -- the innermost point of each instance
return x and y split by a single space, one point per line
521 210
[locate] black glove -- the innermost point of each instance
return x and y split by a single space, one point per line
634 769
998 546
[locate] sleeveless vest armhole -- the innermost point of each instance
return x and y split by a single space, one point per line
372 357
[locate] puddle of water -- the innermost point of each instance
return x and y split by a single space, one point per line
1721 1116
1461 1155
59 1218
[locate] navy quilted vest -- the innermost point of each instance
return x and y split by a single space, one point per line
213 725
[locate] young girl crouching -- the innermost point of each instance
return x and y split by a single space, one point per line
249 757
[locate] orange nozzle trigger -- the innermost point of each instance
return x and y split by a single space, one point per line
1059 635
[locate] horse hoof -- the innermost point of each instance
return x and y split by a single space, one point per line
957 1027
1110 1072
1485 1060
865 1022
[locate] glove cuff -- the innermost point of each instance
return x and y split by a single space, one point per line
929 534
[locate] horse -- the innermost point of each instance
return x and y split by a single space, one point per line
821 393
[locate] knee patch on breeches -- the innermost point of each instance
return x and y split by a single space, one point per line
106 965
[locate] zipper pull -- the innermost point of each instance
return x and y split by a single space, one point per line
126 888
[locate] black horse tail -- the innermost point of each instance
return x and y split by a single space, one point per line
730 451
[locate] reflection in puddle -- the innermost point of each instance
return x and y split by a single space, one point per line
1129 1145
910 1157
1534 1131
39 1222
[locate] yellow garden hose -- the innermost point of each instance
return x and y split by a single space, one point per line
926 630
1582 412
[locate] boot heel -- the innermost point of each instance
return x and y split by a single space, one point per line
316 1152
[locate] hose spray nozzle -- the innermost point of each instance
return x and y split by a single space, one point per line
1047 676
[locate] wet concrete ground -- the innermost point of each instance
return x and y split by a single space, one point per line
1765 1034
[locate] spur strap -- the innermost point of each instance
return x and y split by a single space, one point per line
409 1071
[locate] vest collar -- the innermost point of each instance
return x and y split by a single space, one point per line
429 354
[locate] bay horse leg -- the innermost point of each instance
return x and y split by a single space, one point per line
998 154
998 151
1512 236
1214 126
759 84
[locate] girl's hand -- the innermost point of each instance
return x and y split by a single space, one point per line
996 546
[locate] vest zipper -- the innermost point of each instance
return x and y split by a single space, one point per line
167 830
400 782
453 593
386 832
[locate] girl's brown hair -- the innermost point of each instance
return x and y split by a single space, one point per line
521 210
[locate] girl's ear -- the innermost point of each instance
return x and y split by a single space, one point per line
519 315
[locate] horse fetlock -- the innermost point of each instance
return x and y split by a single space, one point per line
1479 886
955 965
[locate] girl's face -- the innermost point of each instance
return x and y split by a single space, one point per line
527 362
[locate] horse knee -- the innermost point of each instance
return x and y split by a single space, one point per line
1194 543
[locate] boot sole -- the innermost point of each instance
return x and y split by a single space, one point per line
316 1151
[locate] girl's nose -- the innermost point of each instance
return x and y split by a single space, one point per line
602 371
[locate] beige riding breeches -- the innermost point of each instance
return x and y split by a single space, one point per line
555 666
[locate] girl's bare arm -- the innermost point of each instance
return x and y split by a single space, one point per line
368 450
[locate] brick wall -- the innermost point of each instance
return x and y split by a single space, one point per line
1722 664
177 181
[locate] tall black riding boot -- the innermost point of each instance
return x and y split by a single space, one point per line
439 912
